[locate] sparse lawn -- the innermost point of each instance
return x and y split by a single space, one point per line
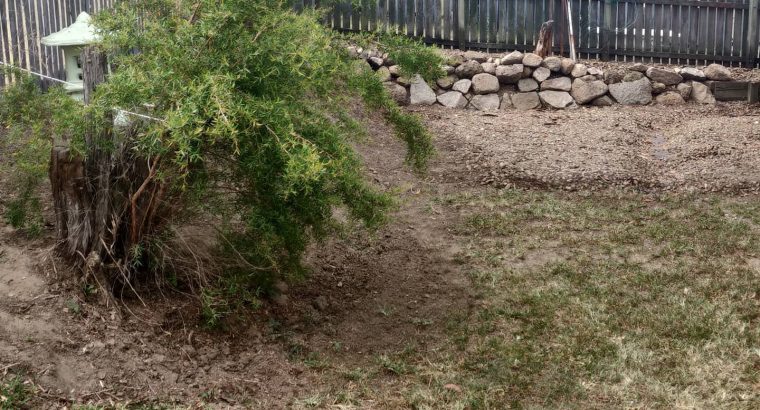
601 301
14 394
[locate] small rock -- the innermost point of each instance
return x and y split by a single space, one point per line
383 73
509 74
485 84
603 101
397 92
557 84
541 74
447 82
685 90
632 76
527 84
532 60
463 86
526 101
701 93
469 69
281 286
320 303
506 101
452 99
405 81
556 99
661 75
476 56
281 300
375 62
514 57
497 61
693 73
395 70
632 93
452 387
579 70
449 70
639 67
613 76
489 68
586 91
455 60
717 72
596 72
658 88
554 64
487 102
567 66
421 93
670 98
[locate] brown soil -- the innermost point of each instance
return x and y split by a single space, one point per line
366 291
691 148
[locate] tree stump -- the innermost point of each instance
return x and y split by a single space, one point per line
544 44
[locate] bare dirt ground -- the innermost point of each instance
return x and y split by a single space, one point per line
687 149
369 295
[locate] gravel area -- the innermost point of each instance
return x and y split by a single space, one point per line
688 148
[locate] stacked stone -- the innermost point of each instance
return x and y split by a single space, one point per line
475 80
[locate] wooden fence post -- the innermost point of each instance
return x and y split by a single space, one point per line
751 48
606 30
461 32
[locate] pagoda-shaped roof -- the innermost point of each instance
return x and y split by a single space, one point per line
77 34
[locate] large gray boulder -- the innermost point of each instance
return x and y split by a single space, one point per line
487 102
701 93
637 92
541 74
717 72
554 64
509 74
420 92
463 86
452 99
586 91
526 101
485 84
476 56
557 84
527 84
693 73
556 99
514 57
468 69
532 60
397 92
661 75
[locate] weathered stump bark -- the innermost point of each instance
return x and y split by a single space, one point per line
107 200
544 45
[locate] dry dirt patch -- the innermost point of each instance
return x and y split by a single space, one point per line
685 149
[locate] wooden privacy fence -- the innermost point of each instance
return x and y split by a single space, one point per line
664 31
24 22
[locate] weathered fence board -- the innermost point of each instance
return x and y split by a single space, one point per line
656 31
24 22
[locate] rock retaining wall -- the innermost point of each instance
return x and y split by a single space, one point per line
520 81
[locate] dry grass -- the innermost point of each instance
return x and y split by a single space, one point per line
588 302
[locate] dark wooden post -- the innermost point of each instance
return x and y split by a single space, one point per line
544 44
751 40
606 33
460 24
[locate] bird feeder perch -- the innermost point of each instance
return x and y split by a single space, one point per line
72 40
